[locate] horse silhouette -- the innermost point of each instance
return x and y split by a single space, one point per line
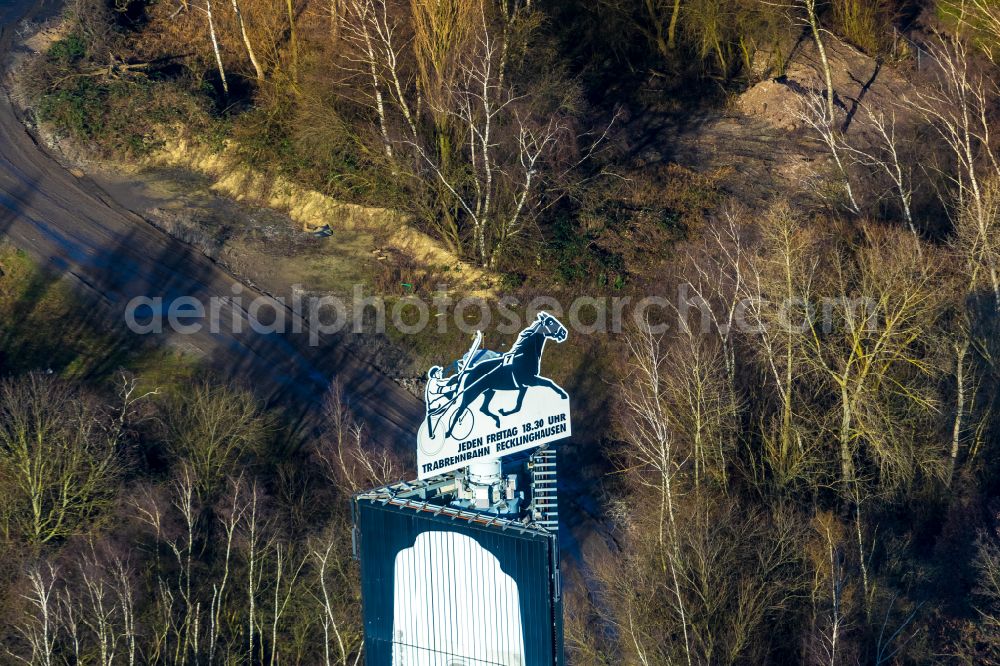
516 370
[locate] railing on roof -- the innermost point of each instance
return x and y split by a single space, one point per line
402 494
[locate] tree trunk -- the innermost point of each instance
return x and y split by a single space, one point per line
293 44
821 49
215 48
672 27
846 460
246 41
662 45
956 432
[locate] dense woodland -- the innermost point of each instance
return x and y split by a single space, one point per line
801 469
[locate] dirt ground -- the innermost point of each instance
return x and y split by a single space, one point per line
767 151
259 244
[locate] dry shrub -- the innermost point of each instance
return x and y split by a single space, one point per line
400 275
653 208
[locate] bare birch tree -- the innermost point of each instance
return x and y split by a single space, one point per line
816 29
258 69
958 107
346 455
779 283
805 14
452 114
367 26
888 160
482 102
700 406
41 627
653 448
818 116
337 585
179 609
215 46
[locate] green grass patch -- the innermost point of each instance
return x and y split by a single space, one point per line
967 19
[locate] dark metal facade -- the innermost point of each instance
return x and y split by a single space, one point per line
453 588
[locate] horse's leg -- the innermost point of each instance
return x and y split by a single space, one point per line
517 407
467 398
548 383
485 409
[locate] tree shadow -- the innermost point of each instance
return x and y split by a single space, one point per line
110 258
292 371
856 102
583 460
18 330
60 321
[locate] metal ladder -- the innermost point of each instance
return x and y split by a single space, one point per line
544 500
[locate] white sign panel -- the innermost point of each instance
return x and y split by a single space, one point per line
493 405
470 617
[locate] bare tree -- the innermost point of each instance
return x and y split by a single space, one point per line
780 276
654 450
215 46
979 21
59 454
700 407
830 621
451 115
819 116
812 19
481 102
958 106
101 612
246 41
368 28
253 548
961 389
229 519
212 428
888 160
735 570
41 628
282 595
804 13
347 457
337 589
179 609
868 347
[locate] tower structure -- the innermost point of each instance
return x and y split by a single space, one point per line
461 565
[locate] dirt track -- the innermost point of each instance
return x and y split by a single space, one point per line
79 231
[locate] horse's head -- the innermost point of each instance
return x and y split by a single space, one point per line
551 327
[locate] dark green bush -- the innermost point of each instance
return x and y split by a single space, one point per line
118 115
68 50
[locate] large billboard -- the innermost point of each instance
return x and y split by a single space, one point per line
493 405
448 588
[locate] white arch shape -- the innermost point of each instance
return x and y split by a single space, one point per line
454 606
